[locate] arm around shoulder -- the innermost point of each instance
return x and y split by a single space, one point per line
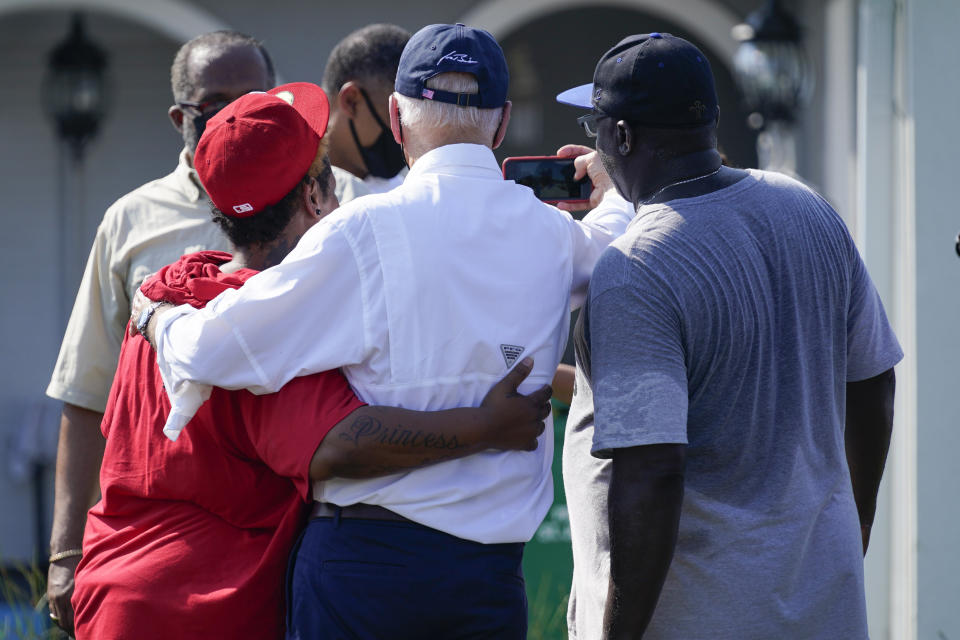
268 331
375 441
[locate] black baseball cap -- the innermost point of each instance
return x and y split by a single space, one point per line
653 79
440 48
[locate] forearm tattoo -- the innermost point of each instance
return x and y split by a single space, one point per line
369 428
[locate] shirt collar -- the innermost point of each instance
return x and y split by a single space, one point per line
475 156
187 177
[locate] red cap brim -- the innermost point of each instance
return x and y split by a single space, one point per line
309 100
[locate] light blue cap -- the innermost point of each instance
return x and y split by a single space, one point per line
581 96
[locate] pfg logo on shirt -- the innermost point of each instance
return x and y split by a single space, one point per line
510 353
459 58
243 208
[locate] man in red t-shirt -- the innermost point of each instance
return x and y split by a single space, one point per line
191 536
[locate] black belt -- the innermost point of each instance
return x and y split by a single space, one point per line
356 511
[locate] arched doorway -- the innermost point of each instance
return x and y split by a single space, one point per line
574 34
708 20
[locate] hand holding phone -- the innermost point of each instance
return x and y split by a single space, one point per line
587 163
550 177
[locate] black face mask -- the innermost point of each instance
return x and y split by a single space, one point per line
204 111
384 158
200 123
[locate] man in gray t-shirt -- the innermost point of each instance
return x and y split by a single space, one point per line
738 362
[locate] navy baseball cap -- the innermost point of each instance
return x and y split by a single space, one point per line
652 79
440 48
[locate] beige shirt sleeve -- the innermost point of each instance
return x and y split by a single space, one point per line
88 355
144 230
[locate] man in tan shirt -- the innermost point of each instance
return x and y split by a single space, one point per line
149 227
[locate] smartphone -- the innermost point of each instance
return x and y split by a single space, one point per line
550 177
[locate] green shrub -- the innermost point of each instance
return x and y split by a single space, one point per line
23 604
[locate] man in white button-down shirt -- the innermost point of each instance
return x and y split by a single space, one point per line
425 296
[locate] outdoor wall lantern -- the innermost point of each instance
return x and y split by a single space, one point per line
775 79
75 88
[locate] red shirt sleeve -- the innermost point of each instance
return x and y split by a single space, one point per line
286 427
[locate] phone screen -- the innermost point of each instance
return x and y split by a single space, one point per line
551 178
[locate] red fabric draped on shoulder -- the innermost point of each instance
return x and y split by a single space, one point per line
195 279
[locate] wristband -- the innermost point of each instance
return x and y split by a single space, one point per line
61 555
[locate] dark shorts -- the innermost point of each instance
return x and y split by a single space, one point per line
371 579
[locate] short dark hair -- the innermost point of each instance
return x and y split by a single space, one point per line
180 79
268 223
370 53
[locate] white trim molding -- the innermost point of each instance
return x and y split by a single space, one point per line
886 230
709 21
177 19
904 534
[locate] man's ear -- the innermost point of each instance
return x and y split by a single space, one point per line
395 120
316 205
504 121
348 99
625 138
312 199
176 117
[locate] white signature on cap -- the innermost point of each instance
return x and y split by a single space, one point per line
453 56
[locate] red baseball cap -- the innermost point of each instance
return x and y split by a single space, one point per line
309 100
260 146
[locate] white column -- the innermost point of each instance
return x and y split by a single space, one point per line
874 222
931 129
904 527
907 219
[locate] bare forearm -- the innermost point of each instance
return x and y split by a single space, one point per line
377 441
869 423
563 381
645 498
79 454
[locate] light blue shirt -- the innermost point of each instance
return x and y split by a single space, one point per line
731 323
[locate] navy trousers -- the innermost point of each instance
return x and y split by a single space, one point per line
354 579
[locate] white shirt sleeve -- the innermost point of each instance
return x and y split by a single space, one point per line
591 236
302 316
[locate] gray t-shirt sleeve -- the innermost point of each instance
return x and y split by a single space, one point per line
872 347
638 370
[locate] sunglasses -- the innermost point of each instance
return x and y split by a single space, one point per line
589 122
208 107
